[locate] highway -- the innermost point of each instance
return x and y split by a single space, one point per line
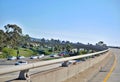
10 76
111 71
115 76
99 77
4 63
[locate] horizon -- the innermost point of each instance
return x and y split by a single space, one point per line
74 21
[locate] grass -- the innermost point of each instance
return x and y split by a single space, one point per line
25 52
22 52
12 52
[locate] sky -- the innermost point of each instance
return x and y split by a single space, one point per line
85 21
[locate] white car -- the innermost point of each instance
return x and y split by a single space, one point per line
21 62
41 56
72 61
33 57
20 57
11 58
54 55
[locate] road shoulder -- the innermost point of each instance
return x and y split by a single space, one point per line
92 72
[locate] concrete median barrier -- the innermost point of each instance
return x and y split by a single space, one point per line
62 73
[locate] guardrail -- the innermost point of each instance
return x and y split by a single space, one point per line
24 69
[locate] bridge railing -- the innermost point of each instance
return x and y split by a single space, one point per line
24 69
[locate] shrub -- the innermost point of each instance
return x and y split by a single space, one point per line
83 52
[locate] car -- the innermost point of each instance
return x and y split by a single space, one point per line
41 56
63 53
20 57
54 55
72 61
33 57
69 62
60 54
21 62
11 58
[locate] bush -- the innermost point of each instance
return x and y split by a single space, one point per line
3 55
47 52
83 52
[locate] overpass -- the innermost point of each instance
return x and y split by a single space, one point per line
61 74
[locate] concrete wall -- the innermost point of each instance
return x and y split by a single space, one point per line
62 73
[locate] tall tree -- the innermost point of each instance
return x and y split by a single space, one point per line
25 40
13 33
1 36
2 39
68 47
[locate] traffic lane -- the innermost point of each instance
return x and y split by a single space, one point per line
103 71
115 76
12 62
6 77
14 75
44 68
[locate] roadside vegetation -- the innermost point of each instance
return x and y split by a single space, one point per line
14 43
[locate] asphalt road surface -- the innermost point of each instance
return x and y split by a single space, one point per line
115 76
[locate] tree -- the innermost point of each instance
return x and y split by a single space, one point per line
25 40
13 34
1 36
2 39
68 47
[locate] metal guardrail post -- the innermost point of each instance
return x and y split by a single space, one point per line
65 64
93 56
24 75
83 59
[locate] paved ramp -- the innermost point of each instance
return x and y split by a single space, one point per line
115 76
106 65
103 76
